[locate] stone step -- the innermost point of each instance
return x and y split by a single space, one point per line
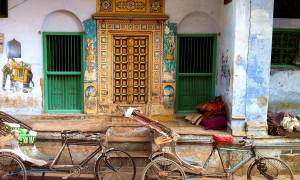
131 134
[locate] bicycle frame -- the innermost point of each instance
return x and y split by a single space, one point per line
231 170
69 142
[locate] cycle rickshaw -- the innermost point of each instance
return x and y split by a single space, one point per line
19 158
166 164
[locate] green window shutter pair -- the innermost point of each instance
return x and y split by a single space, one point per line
63 72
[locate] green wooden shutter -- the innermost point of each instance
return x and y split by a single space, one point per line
63 77
195 79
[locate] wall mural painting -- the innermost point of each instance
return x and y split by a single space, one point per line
169 52
90 66
90 71
90 46
90 97
19 74
169 97
16 71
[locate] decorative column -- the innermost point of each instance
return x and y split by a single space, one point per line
169 66
90 66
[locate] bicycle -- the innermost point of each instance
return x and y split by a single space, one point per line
110 164
166 164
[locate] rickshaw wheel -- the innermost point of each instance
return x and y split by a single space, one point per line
162 168
11 168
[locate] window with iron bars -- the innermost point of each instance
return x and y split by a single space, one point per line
285 46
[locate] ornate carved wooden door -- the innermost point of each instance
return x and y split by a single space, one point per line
130 69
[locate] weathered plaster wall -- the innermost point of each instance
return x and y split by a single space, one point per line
284 90
258 66
233 55
24 23
226 54
284 82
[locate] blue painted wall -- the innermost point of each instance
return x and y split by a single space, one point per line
258 66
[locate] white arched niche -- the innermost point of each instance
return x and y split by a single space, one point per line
198 22
62 21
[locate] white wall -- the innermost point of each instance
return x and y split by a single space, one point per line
24 23
69 20
203 15
226 54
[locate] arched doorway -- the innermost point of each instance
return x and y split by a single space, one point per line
196 61
63 54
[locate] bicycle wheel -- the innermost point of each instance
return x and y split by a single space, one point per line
162 168
115 164
269 168
11 168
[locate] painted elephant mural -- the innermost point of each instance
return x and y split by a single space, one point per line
20 76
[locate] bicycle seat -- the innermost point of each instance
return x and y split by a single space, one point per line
222 139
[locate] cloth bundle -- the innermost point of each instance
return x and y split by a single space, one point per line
211 115
290 123
282 122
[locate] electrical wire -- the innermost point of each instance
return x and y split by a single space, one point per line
20 3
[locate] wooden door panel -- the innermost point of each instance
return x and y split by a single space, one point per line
130 54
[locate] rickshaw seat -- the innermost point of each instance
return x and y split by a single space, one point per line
33 153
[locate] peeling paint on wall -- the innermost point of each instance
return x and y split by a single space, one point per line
18 102
262 101
259 59
261 26
225 70
284 90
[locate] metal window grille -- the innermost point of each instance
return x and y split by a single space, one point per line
285 46
3 8
196 54
64 53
